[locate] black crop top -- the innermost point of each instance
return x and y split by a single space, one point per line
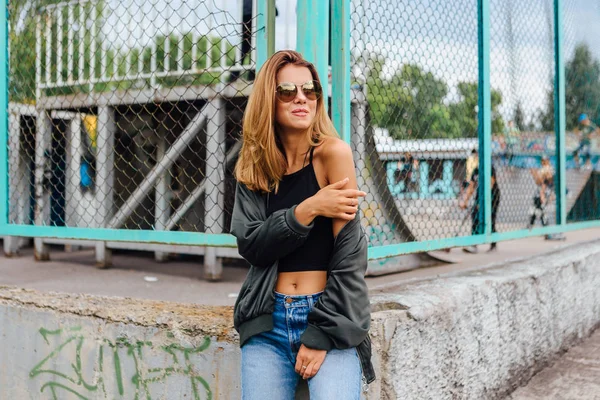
315 253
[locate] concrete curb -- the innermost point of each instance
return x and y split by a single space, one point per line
192 319
481 334
475 335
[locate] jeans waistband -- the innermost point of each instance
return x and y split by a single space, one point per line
297 300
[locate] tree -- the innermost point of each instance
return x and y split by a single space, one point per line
582 79
465 112
416 110
411 104
21 28
377 91
519 117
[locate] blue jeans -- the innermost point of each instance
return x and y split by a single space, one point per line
268 359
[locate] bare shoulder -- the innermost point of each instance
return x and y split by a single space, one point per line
334 161
335 149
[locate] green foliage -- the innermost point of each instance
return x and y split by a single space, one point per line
582 79
465 111
519 117
22 83
411 104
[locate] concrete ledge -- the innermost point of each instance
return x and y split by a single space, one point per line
482 334
191 319
476 335
60 346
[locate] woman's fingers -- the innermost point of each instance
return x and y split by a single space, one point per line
298 367
347 216
352 193
308 371
311 369
308 361
349 209
316 368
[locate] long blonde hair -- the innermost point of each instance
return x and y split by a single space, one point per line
261 164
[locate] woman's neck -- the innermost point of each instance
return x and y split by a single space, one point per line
295 148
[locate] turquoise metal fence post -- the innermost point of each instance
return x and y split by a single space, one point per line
4 117
265 31
312 38
484 117
559 116
340 67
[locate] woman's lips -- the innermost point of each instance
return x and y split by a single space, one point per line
300 113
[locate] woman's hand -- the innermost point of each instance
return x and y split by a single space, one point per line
335 202
308 361
332 202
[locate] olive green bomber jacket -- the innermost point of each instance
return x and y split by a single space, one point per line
341 317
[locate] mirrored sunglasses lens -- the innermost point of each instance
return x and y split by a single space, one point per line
311 90
286 92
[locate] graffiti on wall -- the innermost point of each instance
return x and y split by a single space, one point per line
129 369
419 183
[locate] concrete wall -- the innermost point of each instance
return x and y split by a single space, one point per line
64 347
477 335
482 334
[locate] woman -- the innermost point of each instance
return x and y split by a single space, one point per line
303 310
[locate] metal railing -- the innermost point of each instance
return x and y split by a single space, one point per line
85 43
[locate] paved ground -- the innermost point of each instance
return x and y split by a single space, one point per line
517 188
575 376
181 280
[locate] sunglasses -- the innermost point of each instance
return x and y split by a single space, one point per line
287 91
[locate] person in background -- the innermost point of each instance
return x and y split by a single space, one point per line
545 189
475 222
87 172
470 165
582 154
544 179
405 171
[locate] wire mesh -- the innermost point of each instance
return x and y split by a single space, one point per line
127 114
582 80
522 76
415 73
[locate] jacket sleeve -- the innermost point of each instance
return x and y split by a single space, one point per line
341 317
261 240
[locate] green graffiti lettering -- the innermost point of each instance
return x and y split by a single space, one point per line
142 377
54 385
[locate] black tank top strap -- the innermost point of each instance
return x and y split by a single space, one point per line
312 151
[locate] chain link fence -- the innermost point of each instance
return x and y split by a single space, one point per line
522 74
415 73
582 75
416 88
127 114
